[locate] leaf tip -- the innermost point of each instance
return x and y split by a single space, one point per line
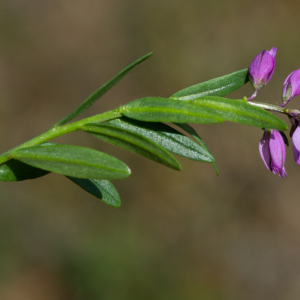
216 168
177 166
128 171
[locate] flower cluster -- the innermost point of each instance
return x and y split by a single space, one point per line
272 145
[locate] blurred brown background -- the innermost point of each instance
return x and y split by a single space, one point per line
177 235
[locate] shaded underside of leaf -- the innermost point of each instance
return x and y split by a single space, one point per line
166 136
73 161
286 141
14 170
220 86
102 189
132 142
195 135
156 109
239 111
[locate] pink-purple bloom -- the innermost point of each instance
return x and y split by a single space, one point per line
296 143
291 87
272 151
261 69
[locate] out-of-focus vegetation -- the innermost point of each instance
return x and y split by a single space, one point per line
177 235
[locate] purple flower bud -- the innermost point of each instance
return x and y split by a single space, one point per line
272 151
261 69
291 87
296 144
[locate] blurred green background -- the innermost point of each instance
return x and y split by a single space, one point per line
177 235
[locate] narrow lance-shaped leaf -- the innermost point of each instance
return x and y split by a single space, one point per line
166 136
240 111
154 109
195 135
73 161
101 91
132 142
220 86
14 170
102 189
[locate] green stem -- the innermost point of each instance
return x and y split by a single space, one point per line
57 131
276 108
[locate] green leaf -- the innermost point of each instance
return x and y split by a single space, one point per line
73 161
239 111
195 135
14 170
102 189
166 136
154 109
132 142
220 86
102 90
286 141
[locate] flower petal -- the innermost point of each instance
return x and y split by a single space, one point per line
268 67
254 67
282 172
296 145
277 151
273 51
295 82
264 150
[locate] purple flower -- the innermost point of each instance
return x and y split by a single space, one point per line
272 151
261 69
291 87
296 143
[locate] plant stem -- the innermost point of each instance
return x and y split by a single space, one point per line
276 108
57 131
